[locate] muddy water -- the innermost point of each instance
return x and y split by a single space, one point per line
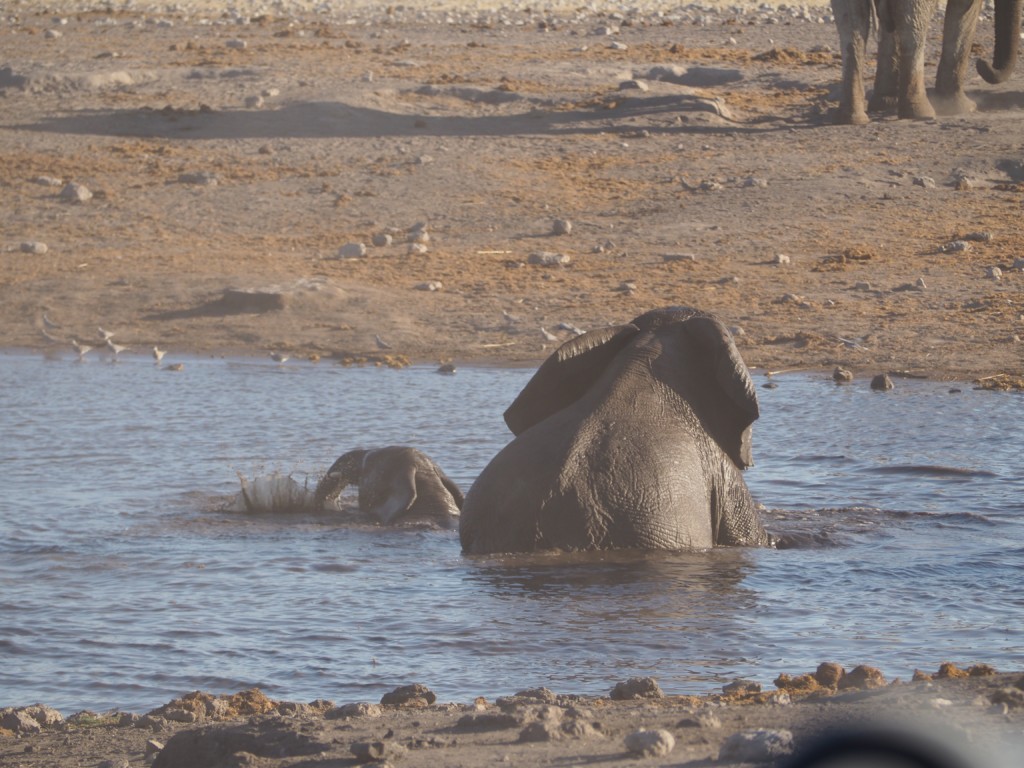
122 584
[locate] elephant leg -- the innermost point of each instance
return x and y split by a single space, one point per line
957 36
911 31
885 95
853 21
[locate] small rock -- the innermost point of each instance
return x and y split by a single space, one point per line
678 257
19 721
446 368
561 227
549 259
920 284
862 286
415 695
237 45
637 688
615 45
741 687
352 251
431 285
759 746
754 181
881 382
376 751
119 763
270 93
634 85
540 731
995 273
254 102
781 258
419 234
48 181
657 743
53 34
862 677
381 239
355 709
978 237
924 181
703 719
34 247
203 178
417 249
74 192
955 246
842 375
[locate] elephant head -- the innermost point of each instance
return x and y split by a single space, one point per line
396 483
631 436
1004 57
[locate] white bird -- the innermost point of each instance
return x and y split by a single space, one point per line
279 357
381 344
105 335
82 349
117 349
47 322
548 335
158 354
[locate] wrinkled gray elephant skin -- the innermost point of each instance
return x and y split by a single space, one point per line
396 484
627 437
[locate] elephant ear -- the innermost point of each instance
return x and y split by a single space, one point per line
727 416
565 376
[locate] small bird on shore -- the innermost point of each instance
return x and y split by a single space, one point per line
158 354
50 336
381 344
82 349
548 335
279 357
48 323
105 335
117 349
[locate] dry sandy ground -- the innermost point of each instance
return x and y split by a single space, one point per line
231 158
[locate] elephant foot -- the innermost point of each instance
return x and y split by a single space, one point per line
850 117
955 103
916 109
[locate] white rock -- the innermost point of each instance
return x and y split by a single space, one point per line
352 251
237 45
74 192
34 247
759 746
657 743
417 249
781 258
431 285
381 239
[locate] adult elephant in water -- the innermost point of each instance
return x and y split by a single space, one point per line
899 76
396 484
628 437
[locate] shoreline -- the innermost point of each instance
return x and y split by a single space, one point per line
635 720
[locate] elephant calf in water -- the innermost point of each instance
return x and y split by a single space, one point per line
396 484
627 437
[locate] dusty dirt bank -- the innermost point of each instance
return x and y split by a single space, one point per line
231 158
975 716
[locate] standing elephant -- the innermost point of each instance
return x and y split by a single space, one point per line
1004 57
396 484
628 437
900 73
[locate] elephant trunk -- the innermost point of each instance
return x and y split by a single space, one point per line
1007 24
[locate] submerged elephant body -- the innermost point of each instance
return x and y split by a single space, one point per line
396 484
630 437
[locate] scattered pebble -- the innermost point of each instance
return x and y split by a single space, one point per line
978 237
417 249
646 743
74 192
355 709
53 34
678 257
955 246
34 247
254 102
561 227
706 719
759 746
415 695
862 285
446 368
636 688
781 258
1018 264
881 382
237 45
48 181
381 239
202 178
549 259
924 181
995 273
431 285
352 251
754 181
634 85
741 687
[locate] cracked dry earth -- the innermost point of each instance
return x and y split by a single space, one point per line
229 165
